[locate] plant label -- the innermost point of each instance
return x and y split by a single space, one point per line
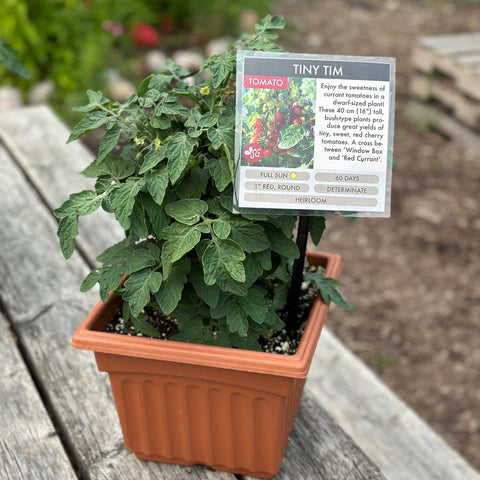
314 134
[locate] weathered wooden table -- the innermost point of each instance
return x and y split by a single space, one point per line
57 417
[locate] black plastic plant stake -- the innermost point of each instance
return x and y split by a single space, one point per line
291 323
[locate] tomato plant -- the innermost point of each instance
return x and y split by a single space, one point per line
279 124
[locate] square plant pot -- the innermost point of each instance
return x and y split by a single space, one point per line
188 404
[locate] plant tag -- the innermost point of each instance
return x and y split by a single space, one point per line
314 134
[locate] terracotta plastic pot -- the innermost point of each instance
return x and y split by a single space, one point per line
194 404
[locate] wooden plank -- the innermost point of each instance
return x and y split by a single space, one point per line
463 109
39 290
471 61
453 56
319 449
422 113
387 430
452 43
29 445
37 139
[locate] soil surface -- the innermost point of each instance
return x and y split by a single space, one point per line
414 278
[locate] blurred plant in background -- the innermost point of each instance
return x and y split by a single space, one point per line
71 45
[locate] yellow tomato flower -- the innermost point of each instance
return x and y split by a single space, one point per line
205 90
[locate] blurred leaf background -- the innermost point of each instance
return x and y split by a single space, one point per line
73 43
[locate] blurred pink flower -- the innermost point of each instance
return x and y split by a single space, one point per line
116 29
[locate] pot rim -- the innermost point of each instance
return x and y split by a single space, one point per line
296 366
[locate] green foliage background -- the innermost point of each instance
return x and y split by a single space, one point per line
63 40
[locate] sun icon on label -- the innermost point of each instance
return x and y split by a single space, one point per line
293 175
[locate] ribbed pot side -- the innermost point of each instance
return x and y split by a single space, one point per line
194 404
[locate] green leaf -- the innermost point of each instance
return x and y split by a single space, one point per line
220 170
253 269
82 203
91 279
270 22
221 229
281 244
10 58
154 95
263 45
280 296
208 293
193 184
328 290
95 98
152 159
102 185
290 136
192 133
67 231
286 223
227 284
221 135
141 325
172 108
237 321
208 120
175 230
221 66
194 118
264 258
250 236
170 291
138 220
123 201
87 124
193 331
255 304
223 256
135 259
112 167
158 218
160 82
138 288
132 99
178 151
265 30
317 226
249 342
161 123
272 320
108 255
108 142
176 69
157 183
122 259
119 262
109 281
187 211
175 249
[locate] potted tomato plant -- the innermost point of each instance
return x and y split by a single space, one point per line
202 287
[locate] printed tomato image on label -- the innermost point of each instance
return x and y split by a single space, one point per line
253 153
260 81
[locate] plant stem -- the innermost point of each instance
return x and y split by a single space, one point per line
297 274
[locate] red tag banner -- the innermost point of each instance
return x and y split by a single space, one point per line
259 81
